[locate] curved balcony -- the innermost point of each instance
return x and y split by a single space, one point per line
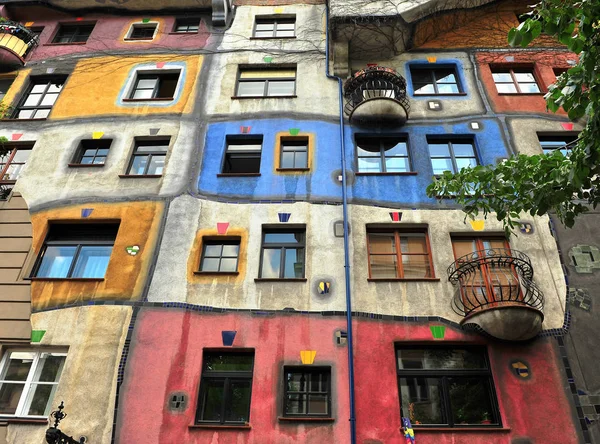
495 291
15 43
376 95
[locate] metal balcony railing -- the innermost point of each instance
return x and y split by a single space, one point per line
17 38
493 278
375 82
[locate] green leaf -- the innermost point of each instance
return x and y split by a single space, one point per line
514 37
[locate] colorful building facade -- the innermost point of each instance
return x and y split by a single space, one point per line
195 195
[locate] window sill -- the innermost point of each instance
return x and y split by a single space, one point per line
65 44
416 96
522 94
139 176
140 39
221 426
158 99
475 429
24 120
263 97
407 173
24 420
35 278
182 32
85 165
217 273
404 280
307 419
238 174
273 38
291 170
280 279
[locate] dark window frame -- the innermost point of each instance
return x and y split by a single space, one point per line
432 68
266 81
398 231
270 20
443 374
91 144
232 140
295 142
9 161
138 142
457 139
307 370
556 142
283 246
78 30
512 69
186 22
48 82
160 78
382 157
227 377
141 28
221 240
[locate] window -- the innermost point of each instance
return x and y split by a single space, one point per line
92 152
451 154
399 254
561 143
187 25
142 31
382 154
5 86
148 157
73 33
515 80
154 86
220 256
277 27
267 82
446 386
37 30
282 254
242 155
76 250
12 163
225 388
559 71
294 153
28 381
434 81
39 99
307 392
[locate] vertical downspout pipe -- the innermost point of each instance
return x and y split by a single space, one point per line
346 242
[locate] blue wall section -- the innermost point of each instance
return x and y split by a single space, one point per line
320 184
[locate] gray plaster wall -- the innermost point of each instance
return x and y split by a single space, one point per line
524 132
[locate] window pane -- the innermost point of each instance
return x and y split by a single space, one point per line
295 404
301 159
49 99
439 150
294 263
382 243
526 77
19 365
502 77
415 244
441 165
296 382
51 367
41 114
287 160
55 88
281 87
317 404
33 99
228 265
210 264
384 266
147 83
92 262
142 94
397 165
424 89
470 400
213 250
368 147
506 88
463 162
393 148
448 88
445 76
241 147
231 250
416 266
421 400
239 401
41 395
431 358
463 150
284 238
25 114
56 262
263 34
138 166
213 396
241 163
285 33
251 88
529 87
39 88
157 165
265 26
9 397
286 26
271 262
369 165
227 362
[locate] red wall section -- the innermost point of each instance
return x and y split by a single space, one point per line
542 62
166 356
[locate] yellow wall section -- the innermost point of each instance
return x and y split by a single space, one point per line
17 85
95 85
126 274
193 263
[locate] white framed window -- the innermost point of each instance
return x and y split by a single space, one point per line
28 381
142 31
155 86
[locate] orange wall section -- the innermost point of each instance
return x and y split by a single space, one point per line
96 84
126 274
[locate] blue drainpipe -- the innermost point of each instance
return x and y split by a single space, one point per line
346 245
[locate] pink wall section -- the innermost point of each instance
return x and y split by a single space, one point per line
166 356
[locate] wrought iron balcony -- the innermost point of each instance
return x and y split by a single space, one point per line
496 292
16 41
376 95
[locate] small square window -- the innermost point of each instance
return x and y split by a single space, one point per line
152 86
142 31
294 153
92 152
187 25
515 80
73 33
307 392
220 255
148 158
451 154
562 143
242 155
382 154
266 82
28 381
282 255
225 388
76 251
275 27
433 81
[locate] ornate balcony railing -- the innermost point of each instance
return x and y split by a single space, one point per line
494 278
376 95
16 41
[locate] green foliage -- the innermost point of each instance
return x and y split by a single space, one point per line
538 184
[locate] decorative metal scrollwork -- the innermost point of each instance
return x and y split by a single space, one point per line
56 436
